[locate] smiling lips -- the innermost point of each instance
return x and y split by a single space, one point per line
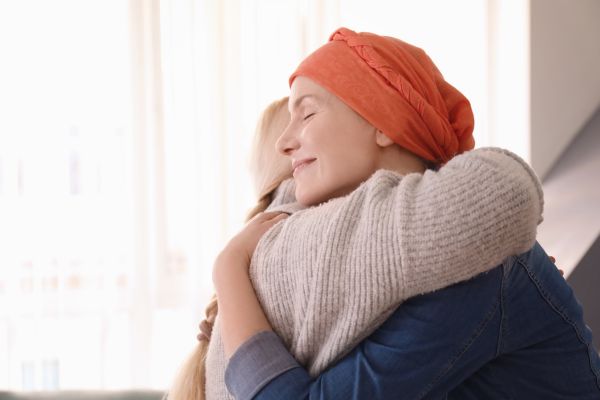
298 165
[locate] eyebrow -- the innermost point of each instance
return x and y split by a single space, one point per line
301 99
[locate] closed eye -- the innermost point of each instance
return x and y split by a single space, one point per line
308 116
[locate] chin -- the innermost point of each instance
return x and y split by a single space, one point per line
309 199
306 201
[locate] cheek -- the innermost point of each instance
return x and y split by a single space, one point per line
329 142
344 159
337 170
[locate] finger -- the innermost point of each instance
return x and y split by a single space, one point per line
262 216
552 258
201 337
562 273
205 328
265 214
276 216
279 218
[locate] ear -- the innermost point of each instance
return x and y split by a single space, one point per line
382 139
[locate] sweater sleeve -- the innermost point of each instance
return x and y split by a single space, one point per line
428 345
464 219
394 237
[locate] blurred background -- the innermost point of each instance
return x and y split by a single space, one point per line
125 129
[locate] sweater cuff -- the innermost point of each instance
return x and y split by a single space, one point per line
255 363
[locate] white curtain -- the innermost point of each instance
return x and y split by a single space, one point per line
123 171
124 141
222 62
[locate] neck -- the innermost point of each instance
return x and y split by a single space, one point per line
398 159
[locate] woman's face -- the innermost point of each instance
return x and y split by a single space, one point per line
338 144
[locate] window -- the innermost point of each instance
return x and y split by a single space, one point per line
124 137
66 196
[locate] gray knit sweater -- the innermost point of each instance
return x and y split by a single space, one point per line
329 275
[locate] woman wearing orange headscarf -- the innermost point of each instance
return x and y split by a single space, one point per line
388 279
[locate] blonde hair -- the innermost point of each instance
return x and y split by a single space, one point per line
268 169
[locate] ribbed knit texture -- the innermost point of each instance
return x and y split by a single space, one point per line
330 275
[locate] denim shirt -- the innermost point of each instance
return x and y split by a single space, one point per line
516 331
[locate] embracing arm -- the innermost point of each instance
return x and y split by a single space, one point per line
429 345
424 231
282 377
481 207
241 314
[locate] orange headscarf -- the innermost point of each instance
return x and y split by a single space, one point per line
397 88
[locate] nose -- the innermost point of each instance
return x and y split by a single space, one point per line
287 142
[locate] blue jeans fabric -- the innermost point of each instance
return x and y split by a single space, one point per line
515 332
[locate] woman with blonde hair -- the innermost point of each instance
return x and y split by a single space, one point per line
268 170
374 285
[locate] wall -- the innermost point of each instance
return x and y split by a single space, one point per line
565 78
571 200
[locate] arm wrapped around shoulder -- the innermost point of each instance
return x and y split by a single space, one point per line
481 207
329 275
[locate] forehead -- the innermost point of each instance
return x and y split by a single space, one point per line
305 89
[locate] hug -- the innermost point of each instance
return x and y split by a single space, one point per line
387 257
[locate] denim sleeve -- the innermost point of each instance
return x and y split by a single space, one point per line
255 363
427 347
